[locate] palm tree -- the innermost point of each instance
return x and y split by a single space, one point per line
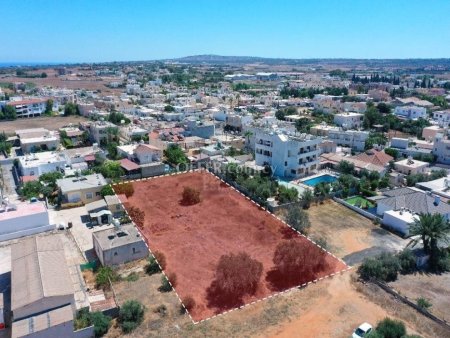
307 198
431 228
247 135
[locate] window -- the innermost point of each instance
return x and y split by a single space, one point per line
89 195
115 253
97 193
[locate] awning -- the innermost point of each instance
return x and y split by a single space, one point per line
128 165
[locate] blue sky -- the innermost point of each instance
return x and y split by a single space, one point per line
116 30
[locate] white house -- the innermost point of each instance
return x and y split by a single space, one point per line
410 112
349 120
41 163
289 155
23 219
29 107
355 139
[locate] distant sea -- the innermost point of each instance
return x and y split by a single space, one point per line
29 64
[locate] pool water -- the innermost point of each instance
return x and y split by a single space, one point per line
320 179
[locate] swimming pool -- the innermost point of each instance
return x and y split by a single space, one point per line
319 179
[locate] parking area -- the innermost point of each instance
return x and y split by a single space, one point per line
81 233
349 235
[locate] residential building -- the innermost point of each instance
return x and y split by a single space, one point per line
349 120
288 155
378 95
201 129
102 131
37 139
40 163
407 203
84 189
429 133
441 149
408 166
23 219
29 107
442 117
119 245
410 112
42 293
354 139
440 186
141 153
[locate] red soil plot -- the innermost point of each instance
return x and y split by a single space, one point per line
194 237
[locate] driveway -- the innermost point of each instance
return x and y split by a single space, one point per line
80 232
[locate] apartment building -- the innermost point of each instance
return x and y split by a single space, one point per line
442 117
99 131
441 149
288 155
29 107
35 139
411 112
349 120
355 139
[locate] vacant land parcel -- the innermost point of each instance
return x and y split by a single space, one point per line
193 238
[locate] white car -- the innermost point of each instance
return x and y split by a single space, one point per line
362 331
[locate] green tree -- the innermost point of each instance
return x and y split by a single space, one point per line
131 315
169 108
432 229
175 155
110 169
107 190
390 328
104 275
298 219
286 195
307 198
111 147
9 112
71 109
31 189
346 167
49 106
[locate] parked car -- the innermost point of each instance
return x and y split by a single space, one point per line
362 331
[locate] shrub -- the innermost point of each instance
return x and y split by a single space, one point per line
107 190
101 323
191 196
131 314
189 304
165 285
423 303
137 215
152 266
172 278
160 258
391 328
132 277
126 189
322 242
85 319
407 261
384 267
298 219
296 261
104 275
162 310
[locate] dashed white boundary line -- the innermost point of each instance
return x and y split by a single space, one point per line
259 206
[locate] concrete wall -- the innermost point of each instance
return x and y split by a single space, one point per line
122 254
29 232
396 224
22 223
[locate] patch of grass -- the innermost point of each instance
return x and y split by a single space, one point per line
360 202
132 277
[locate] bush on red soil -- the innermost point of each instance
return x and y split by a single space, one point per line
236 276
295 263
126 189
137 215
160 258
189 303
191 196
172 278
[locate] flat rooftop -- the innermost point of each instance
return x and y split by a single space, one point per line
23 209
117 237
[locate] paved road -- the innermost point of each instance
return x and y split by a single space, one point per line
384 241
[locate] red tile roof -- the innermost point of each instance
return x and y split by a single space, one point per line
23 102
373 156
128 165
